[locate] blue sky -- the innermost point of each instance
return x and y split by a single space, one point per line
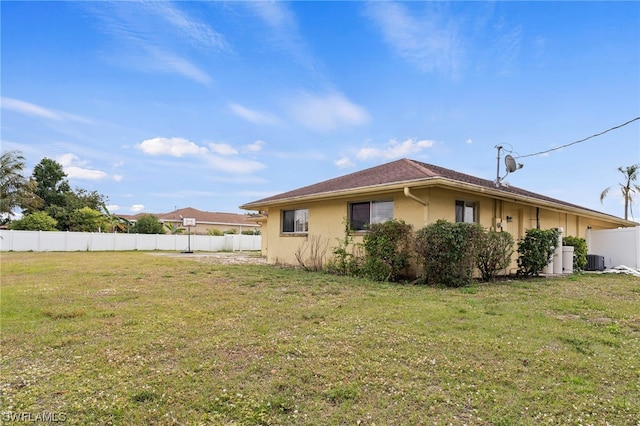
211 105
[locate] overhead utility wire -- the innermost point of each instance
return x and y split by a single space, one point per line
581 140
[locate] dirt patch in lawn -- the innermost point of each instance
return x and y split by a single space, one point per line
221 258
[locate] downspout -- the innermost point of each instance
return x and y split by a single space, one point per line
407 193
425 211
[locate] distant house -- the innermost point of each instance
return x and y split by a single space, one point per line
419 194
205 221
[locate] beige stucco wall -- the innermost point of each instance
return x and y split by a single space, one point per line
326 219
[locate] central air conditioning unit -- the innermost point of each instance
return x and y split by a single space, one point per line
595 262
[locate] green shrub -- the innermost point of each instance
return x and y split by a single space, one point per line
579 251
147 224
215 232
344 261
38 221
447 252
387 250
536 250
494 253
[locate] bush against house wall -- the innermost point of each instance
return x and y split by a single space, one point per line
388 249
579 251
447 252
536 250
494 254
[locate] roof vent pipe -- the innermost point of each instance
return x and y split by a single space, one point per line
407 193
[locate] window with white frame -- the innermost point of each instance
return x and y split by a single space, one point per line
362 214
295 221
466 211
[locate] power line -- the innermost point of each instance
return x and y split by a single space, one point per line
581 140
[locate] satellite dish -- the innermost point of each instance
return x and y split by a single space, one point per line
510 163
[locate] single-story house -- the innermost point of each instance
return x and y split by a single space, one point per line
419 194
204 221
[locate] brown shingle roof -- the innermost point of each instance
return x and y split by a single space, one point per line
400 171
200 216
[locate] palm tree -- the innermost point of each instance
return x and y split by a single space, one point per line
629 189
15 189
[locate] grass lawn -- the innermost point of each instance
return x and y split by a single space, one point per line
133 338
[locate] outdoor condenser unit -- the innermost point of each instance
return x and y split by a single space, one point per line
595 262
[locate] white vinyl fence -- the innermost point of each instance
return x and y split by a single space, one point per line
89 241
617 246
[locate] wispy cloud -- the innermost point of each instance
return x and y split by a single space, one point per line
344 162
230 165
255 147
156 37
222 148
28 108
283 33
327 112
429 41
253 116
198 33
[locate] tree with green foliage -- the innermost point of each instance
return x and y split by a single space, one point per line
52 183
73 210
147 224
116 223
447 252
536 250
15 190
388 249
174 229
87 219
37 221
628 189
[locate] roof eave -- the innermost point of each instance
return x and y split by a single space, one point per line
445 182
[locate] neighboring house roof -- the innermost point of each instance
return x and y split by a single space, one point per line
201 217
411 173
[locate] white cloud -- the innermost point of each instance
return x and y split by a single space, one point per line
256 146
136 208
117 178
327 112
395 149
176 147
113 208
28 108
222 148
253 116
72 166
430 42
344 162
469 141
238 166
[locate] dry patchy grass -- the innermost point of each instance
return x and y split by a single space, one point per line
130 338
